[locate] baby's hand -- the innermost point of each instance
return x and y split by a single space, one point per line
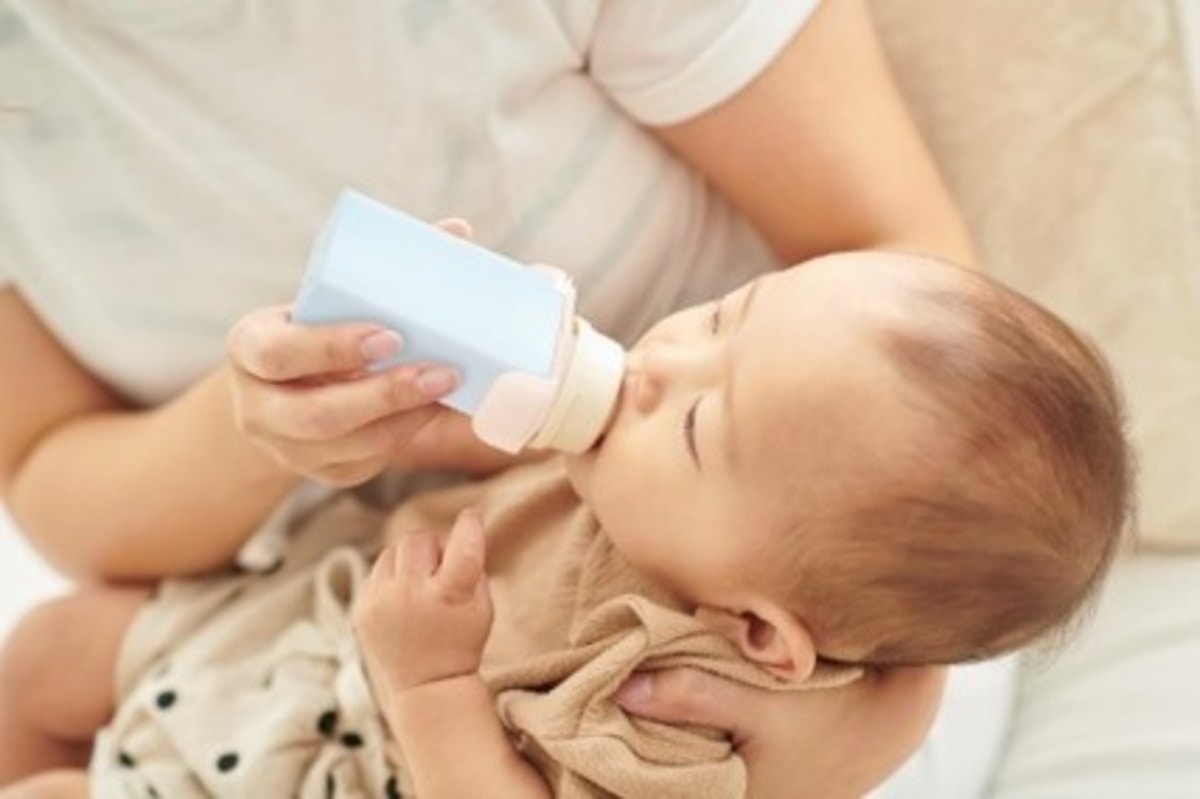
425 612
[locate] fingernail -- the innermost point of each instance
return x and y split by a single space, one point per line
437 381
635 692
378 346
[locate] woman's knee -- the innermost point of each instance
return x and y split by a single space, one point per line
58 665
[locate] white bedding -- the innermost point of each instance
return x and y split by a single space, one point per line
1070 132
1116 715
24 577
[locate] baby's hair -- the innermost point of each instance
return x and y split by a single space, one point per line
1000 527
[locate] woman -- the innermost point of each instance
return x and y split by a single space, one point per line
165 166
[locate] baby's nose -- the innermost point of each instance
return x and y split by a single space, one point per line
653 371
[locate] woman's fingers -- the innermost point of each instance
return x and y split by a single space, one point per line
313 397
266 344
851 736
342 475
455 226
307 396
374 444
689 696
335 410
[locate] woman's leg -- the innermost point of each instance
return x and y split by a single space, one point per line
61 784
57 679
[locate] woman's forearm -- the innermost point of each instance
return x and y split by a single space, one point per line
144 494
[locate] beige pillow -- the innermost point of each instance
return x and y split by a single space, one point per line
1068 130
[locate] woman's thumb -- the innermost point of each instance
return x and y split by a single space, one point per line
687 696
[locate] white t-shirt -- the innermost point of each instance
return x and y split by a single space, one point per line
165 164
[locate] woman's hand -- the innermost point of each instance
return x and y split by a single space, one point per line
426 612
448 442
840 742
305 395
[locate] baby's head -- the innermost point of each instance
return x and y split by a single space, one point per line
872 457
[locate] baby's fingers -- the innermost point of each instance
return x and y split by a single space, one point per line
384 567
463 561
417 555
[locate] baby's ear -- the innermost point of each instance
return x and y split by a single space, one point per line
768 635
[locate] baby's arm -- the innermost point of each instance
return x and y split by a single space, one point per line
422 621
455 744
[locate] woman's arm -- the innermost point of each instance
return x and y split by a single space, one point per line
820 153
104 489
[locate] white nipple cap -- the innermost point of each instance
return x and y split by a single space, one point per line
583 406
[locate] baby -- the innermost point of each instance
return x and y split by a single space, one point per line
867 459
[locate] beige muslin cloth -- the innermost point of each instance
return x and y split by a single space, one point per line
248 685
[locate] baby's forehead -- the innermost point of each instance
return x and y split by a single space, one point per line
871 291
830 387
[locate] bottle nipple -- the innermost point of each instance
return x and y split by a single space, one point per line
583 407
